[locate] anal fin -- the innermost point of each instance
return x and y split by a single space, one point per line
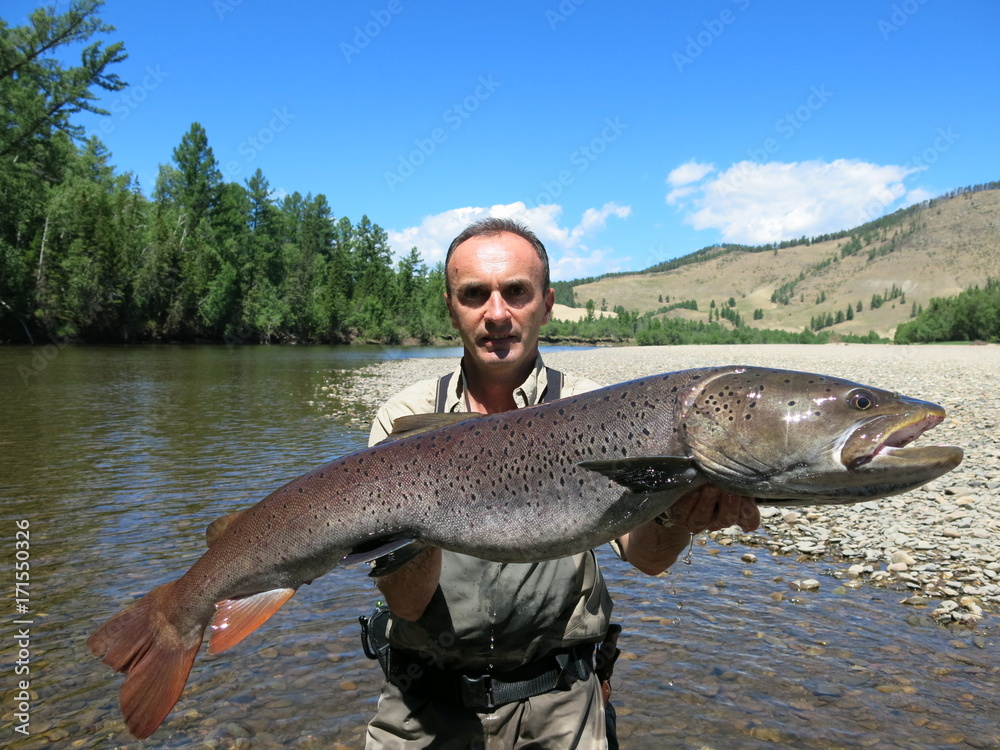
235 619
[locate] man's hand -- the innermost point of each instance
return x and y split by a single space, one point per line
654 547
711 508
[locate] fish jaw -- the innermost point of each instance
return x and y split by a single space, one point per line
889 432
876 455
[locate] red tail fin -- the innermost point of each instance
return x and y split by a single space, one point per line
156 656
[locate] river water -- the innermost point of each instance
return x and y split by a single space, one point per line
117 458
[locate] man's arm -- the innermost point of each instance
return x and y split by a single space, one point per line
652 548
408 590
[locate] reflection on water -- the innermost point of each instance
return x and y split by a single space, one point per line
119 458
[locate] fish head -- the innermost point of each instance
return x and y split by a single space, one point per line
806 438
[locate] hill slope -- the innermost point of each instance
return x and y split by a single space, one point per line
935 250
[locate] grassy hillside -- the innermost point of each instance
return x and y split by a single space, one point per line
934 250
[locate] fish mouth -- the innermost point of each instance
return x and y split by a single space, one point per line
881 444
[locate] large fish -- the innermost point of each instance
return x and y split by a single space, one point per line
527 485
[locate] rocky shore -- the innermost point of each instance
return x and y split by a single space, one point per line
939 545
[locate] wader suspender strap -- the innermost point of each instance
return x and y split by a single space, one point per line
481 692
552 391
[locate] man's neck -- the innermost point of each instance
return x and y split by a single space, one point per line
492 391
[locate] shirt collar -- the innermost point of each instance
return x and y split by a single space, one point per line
528 393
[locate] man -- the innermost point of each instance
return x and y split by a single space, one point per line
464 629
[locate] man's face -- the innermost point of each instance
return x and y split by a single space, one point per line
497 302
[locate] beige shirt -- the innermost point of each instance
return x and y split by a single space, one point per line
489 615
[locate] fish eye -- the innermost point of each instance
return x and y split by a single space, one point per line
861 400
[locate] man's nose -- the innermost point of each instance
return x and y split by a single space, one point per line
496 308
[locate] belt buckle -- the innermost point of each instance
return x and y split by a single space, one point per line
477 692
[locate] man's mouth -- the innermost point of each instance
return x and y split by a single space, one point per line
498 342
504 340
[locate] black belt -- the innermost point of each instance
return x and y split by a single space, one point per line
484 692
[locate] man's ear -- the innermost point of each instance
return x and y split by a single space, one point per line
451 311
550 299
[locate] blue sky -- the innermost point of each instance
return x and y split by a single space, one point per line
624 134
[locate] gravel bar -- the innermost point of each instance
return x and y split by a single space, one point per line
939 543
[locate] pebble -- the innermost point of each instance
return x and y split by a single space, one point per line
940 541
806 584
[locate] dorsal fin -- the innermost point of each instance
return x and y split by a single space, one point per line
415 424
218 527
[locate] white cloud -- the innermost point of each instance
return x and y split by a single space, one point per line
690 172
682 180
756 203
568 251
916 196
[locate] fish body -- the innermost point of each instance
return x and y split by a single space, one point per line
537 483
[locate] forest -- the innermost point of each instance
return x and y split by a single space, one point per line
973 315
86 256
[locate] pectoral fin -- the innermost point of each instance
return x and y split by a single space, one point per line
372 552
385 558
646 473
393 561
